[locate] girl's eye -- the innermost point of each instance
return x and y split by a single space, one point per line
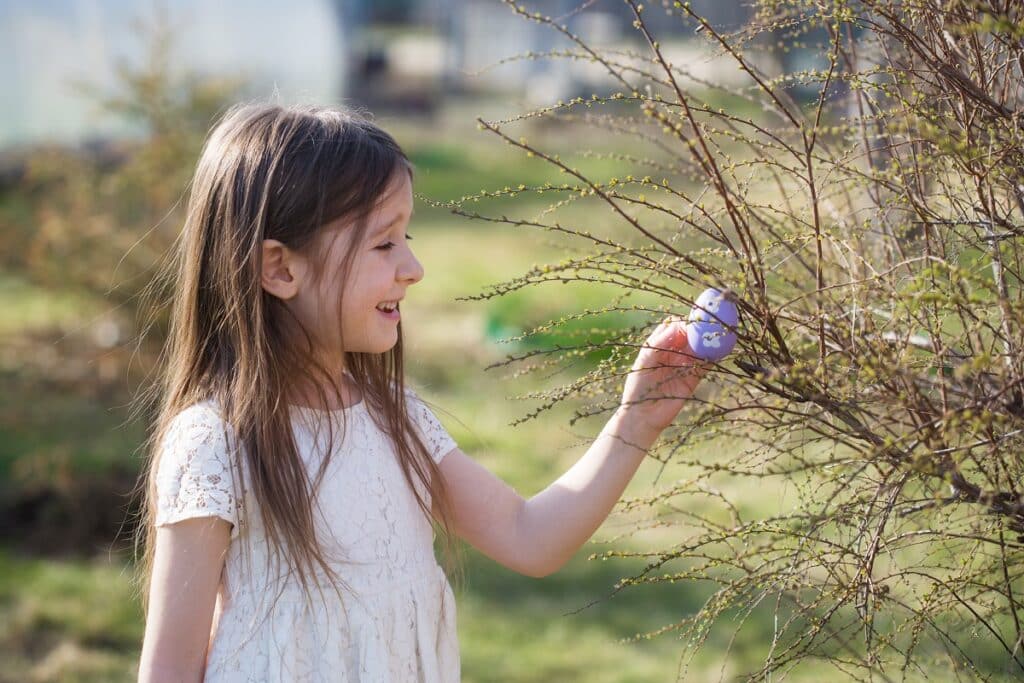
389 245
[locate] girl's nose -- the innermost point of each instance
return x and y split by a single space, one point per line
412 269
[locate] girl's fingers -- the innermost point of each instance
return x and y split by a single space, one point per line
669 324
669 336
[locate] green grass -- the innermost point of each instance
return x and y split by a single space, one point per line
77 620
66 621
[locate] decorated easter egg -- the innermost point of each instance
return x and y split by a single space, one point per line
709 329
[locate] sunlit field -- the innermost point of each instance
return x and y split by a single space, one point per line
76 619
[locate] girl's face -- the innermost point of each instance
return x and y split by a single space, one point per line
383 268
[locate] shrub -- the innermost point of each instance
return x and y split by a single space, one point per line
868 214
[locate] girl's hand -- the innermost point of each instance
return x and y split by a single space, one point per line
664 375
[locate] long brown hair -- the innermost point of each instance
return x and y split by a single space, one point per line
282 173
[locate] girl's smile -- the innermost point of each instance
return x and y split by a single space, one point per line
392 314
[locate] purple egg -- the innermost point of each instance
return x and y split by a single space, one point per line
709 329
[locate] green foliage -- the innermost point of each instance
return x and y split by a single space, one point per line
531 320
84 231
867 212
97 223
871 230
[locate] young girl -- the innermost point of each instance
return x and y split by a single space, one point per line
290 457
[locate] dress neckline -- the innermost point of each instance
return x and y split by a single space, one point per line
355 407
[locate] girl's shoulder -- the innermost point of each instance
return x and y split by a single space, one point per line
437 439
413 398
202 412
194 470
198 430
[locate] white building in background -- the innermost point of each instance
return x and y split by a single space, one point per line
326 51
488 34
295 49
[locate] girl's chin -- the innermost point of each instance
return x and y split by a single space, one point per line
385 345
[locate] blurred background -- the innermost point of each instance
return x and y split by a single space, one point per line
103 111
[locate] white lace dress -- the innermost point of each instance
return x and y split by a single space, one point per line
395 621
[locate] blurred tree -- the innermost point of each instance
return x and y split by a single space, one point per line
100 219
93 225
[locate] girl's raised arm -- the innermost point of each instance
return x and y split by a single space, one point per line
187 564
537 536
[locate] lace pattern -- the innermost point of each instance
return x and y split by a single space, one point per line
194 476
439 443
395 619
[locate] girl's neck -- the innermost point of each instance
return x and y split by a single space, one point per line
307 396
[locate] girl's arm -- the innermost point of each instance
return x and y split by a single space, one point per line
187 565
537 536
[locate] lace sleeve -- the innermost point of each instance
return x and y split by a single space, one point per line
439 443
194 477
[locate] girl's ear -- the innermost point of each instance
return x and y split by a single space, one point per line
283 270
